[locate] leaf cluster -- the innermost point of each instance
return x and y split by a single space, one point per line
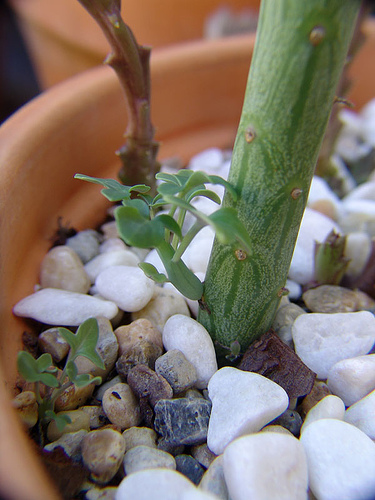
156 222
42 370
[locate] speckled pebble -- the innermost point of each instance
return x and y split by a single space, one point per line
284 319
268 465
71 443
163 304
137 330
143 457
336 299
177 370
321 340
290 420
353 378
62 268
361 414
203 454
126 286
85 244
102 452
189 467
329 407
121 406
108 259
136 436
63 308
341 460
73 397
108 493
52 342
26 407
193 340
255 402
79 421
182 420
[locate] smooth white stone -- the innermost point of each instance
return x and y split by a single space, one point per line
198 253
365 191
341 461
314 227
192 304
359 216
109 259
320 190
154 259
321 340
112 245
144 457
126 286
242 403
294 288
329 407
368 127
362 414
155 484
209 160
352 379
266 466
62 268
357 250
60 307
193 340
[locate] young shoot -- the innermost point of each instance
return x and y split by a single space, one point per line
42 371
157 222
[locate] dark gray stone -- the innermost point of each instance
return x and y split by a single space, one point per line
182 421
189 467
291 420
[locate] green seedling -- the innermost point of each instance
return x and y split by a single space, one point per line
330 263
141 222
41 370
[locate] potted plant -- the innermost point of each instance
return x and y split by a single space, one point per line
63 40
39 164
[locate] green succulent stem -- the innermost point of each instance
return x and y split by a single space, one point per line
299 54
131 63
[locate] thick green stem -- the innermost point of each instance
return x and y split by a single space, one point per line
132 65
300 51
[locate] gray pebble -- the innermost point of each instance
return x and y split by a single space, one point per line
136 436
141 353
149 385
213 480
284 319
336 299
143 457
108 493
189 467
96 414
182 421
174 367
85 244
203 454
291 420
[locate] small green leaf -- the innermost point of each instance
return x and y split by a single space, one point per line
168 178
228 228
27 366
85 341
114 190
169 223
137 231
83 379
49 380
71 370
151 272
60 420
140 205
206 193
164 189
43 362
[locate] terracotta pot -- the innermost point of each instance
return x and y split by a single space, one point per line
76 127
63 39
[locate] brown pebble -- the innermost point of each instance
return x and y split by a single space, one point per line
336 299
146 383
140 329
143 352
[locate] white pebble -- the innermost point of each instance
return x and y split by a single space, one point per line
321 340
353 378
242 403
193 340
109 259
126 286
341 461
359 216
143 457
209 160
357 250
329 407
198 253
365 191
60 307
314 227
320 190
362 414
266 466
158 484
112 245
